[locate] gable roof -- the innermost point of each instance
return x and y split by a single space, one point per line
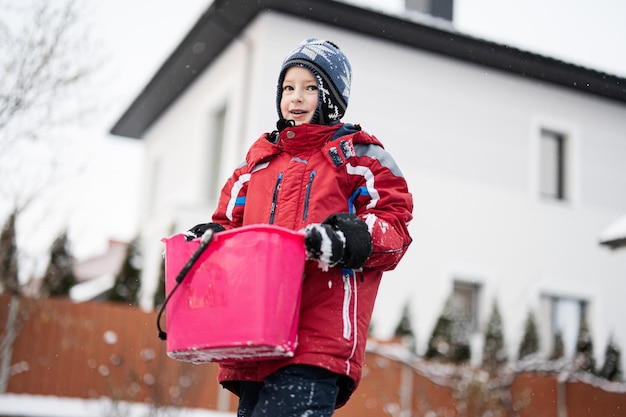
225 19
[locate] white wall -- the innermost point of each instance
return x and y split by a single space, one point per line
466 140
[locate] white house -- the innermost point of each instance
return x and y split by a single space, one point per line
517 162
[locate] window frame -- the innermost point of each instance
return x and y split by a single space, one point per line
556 173
548 319
570 165
474 288
216 145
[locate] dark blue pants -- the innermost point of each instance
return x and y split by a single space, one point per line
293 391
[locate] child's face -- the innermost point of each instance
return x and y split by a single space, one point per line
299 99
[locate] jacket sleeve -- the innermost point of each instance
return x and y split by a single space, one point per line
383 201
232 200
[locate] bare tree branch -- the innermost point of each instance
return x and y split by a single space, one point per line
45 61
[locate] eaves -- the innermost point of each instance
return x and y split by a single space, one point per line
224 20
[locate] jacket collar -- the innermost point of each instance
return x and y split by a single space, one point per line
306 137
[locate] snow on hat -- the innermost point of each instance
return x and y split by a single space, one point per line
332 70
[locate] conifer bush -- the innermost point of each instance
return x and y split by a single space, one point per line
583 358
404 328
449 341
530 340
59 277
9 281
612 367
128 280
494 351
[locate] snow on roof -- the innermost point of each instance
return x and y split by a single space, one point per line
614 236
88 290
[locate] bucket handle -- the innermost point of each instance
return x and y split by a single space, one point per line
207 237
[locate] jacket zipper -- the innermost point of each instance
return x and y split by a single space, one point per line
347 275
308 195
275 197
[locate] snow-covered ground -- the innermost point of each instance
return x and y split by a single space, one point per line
49 406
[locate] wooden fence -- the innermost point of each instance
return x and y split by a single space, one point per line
93 350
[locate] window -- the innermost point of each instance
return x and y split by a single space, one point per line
465 299
155 177
552 154
562 315
216 140
437 8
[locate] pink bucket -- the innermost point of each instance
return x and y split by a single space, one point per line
241 299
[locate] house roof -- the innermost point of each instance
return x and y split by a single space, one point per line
225 19
614 236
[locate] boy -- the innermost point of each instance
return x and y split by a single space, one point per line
337 184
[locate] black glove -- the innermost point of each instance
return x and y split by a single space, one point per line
324 244
342 238
199 229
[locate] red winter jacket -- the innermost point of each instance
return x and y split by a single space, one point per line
311 172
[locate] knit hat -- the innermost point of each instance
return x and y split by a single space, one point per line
332 70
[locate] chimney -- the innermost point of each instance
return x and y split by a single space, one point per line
438 8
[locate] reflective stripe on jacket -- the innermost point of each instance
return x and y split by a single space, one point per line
309 173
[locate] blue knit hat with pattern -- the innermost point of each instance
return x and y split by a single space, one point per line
332 70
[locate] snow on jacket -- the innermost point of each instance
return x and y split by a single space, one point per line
309 173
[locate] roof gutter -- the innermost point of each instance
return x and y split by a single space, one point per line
225 20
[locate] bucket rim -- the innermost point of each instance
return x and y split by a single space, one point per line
265 228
